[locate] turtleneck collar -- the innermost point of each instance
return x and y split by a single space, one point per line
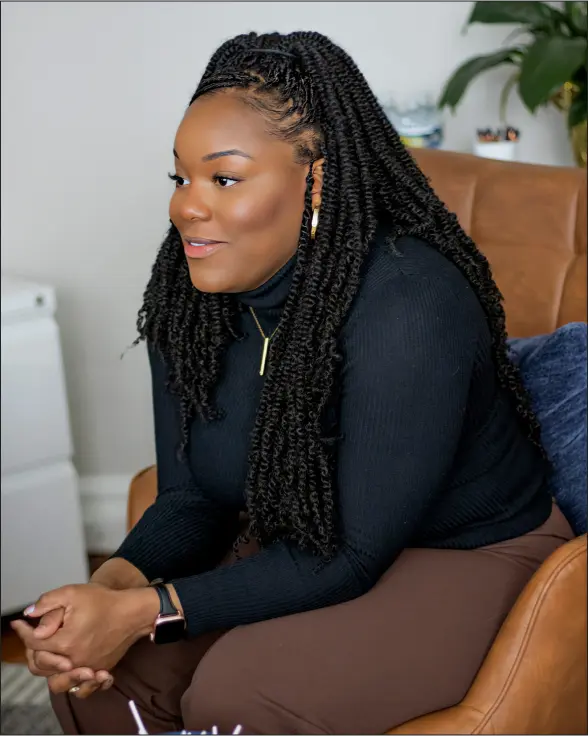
272 294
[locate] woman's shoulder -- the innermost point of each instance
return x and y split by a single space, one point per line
409 258
411 274
407 285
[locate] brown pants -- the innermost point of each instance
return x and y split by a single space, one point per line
410 646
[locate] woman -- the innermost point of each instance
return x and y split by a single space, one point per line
328 354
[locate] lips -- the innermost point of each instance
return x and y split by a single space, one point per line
197 247
201 241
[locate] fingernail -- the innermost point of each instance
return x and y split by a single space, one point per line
108 683
29 610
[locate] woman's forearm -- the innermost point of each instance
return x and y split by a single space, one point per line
119 574
139 609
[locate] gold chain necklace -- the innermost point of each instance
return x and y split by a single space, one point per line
266 341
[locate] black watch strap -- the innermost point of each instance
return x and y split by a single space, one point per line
166 607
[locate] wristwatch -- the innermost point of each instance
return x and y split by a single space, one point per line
170 624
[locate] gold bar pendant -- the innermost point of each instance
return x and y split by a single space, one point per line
264 355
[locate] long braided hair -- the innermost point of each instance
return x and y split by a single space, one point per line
312 94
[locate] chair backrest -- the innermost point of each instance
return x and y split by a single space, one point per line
534 678
530 222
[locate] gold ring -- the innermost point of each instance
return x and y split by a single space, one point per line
74 689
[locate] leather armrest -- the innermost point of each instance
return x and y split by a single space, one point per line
142 493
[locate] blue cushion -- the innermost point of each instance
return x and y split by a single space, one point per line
554 371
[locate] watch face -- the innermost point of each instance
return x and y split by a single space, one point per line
168 629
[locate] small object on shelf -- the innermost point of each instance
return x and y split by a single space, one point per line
497 143
418 124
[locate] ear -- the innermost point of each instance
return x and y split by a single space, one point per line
317 184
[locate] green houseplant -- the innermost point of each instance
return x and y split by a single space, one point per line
550 62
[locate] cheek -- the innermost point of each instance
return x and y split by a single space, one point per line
173 209
252 213
269 207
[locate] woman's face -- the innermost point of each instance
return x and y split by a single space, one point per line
239 195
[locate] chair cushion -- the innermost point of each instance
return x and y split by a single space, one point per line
554 371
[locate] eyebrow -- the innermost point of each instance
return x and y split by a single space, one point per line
220 154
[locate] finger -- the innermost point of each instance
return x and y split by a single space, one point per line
105 679
52 662
58 598
86 689
27 634
33 669
50 623
63 681
44 668
102 681
22 628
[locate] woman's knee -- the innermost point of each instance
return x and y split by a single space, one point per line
233 686
216 693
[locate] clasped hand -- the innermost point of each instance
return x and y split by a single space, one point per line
83 632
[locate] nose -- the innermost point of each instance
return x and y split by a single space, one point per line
189 204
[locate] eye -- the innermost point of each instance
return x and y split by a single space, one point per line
225 181
179 180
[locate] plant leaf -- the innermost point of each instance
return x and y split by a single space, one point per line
520 31
576 14
461 78
504 95
579 17
549 63
529 13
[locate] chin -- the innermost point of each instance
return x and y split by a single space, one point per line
211 280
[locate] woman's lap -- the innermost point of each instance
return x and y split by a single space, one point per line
412 645
155 677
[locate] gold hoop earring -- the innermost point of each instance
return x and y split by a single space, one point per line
314 223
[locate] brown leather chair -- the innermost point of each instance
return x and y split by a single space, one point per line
531 223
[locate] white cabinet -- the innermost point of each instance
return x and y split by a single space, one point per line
41 530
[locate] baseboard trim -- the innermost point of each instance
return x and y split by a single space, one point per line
104 511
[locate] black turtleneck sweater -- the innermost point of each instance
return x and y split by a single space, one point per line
431 452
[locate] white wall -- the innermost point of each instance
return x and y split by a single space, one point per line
91 96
